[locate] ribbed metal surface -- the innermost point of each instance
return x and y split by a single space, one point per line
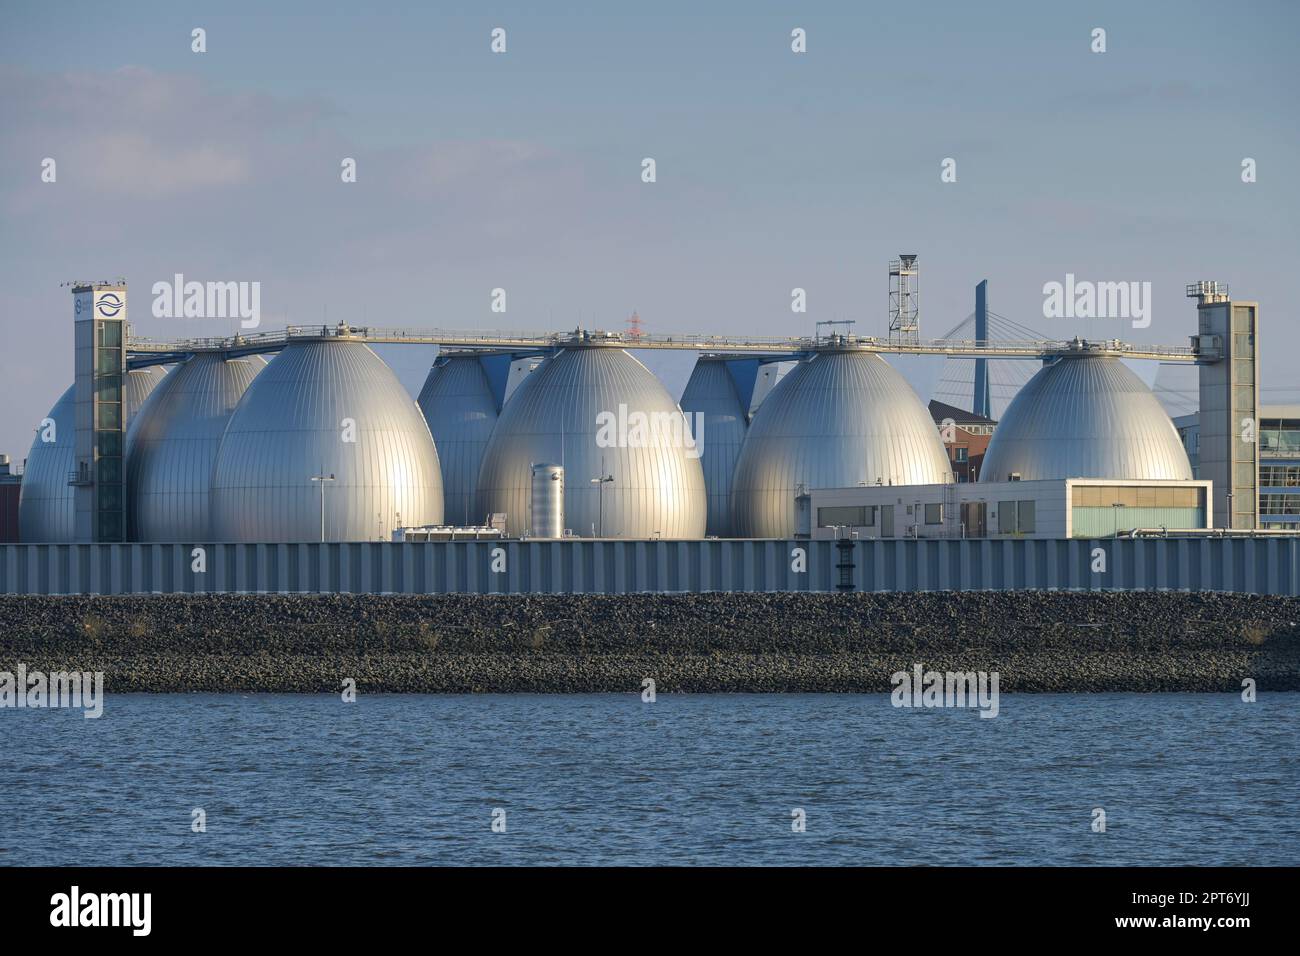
46 506
172 445
836 420
711 392
458 405
546 507
291 426
658 488
1085 417
1250 565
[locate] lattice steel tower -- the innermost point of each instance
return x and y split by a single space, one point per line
904 310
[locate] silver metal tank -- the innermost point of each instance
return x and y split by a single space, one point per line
568 411
841 418
47 510
546 504
325 409
1085 416
461 411
711 398
172 444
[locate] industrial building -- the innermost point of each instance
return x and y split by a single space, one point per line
282 440
1278 436
1084 450
1042 508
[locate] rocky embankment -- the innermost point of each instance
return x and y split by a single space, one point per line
1036 641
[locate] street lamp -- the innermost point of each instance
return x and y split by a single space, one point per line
600 481
1114 510
322 479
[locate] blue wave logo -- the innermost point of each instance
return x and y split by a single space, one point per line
109 305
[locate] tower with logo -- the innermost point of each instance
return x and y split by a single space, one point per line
99 316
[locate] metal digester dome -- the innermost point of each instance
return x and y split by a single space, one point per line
461 411
580 409
172 444
841 418
324 408
711 395
1085 417
47 510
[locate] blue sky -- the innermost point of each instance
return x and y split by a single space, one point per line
522 170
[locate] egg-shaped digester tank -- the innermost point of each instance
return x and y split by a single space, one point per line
460 409
714 404
631 468
172 445
326 443
1085 417
839 419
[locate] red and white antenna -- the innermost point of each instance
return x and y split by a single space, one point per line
634 328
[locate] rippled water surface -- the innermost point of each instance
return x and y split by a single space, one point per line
1198 779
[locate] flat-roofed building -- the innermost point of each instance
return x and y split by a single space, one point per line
1049 508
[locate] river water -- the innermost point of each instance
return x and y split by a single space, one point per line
610 779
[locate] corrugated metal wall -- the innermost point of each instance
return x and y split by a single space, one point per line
1254 565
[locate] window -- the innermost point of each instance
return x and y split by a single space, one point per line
1006 517
110 361
108 388
108 416
853 516
109 443
1016 517
1279 476
1279 504
962 455
934 514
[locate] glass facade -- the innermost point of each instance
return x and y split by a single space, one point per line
1279 472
